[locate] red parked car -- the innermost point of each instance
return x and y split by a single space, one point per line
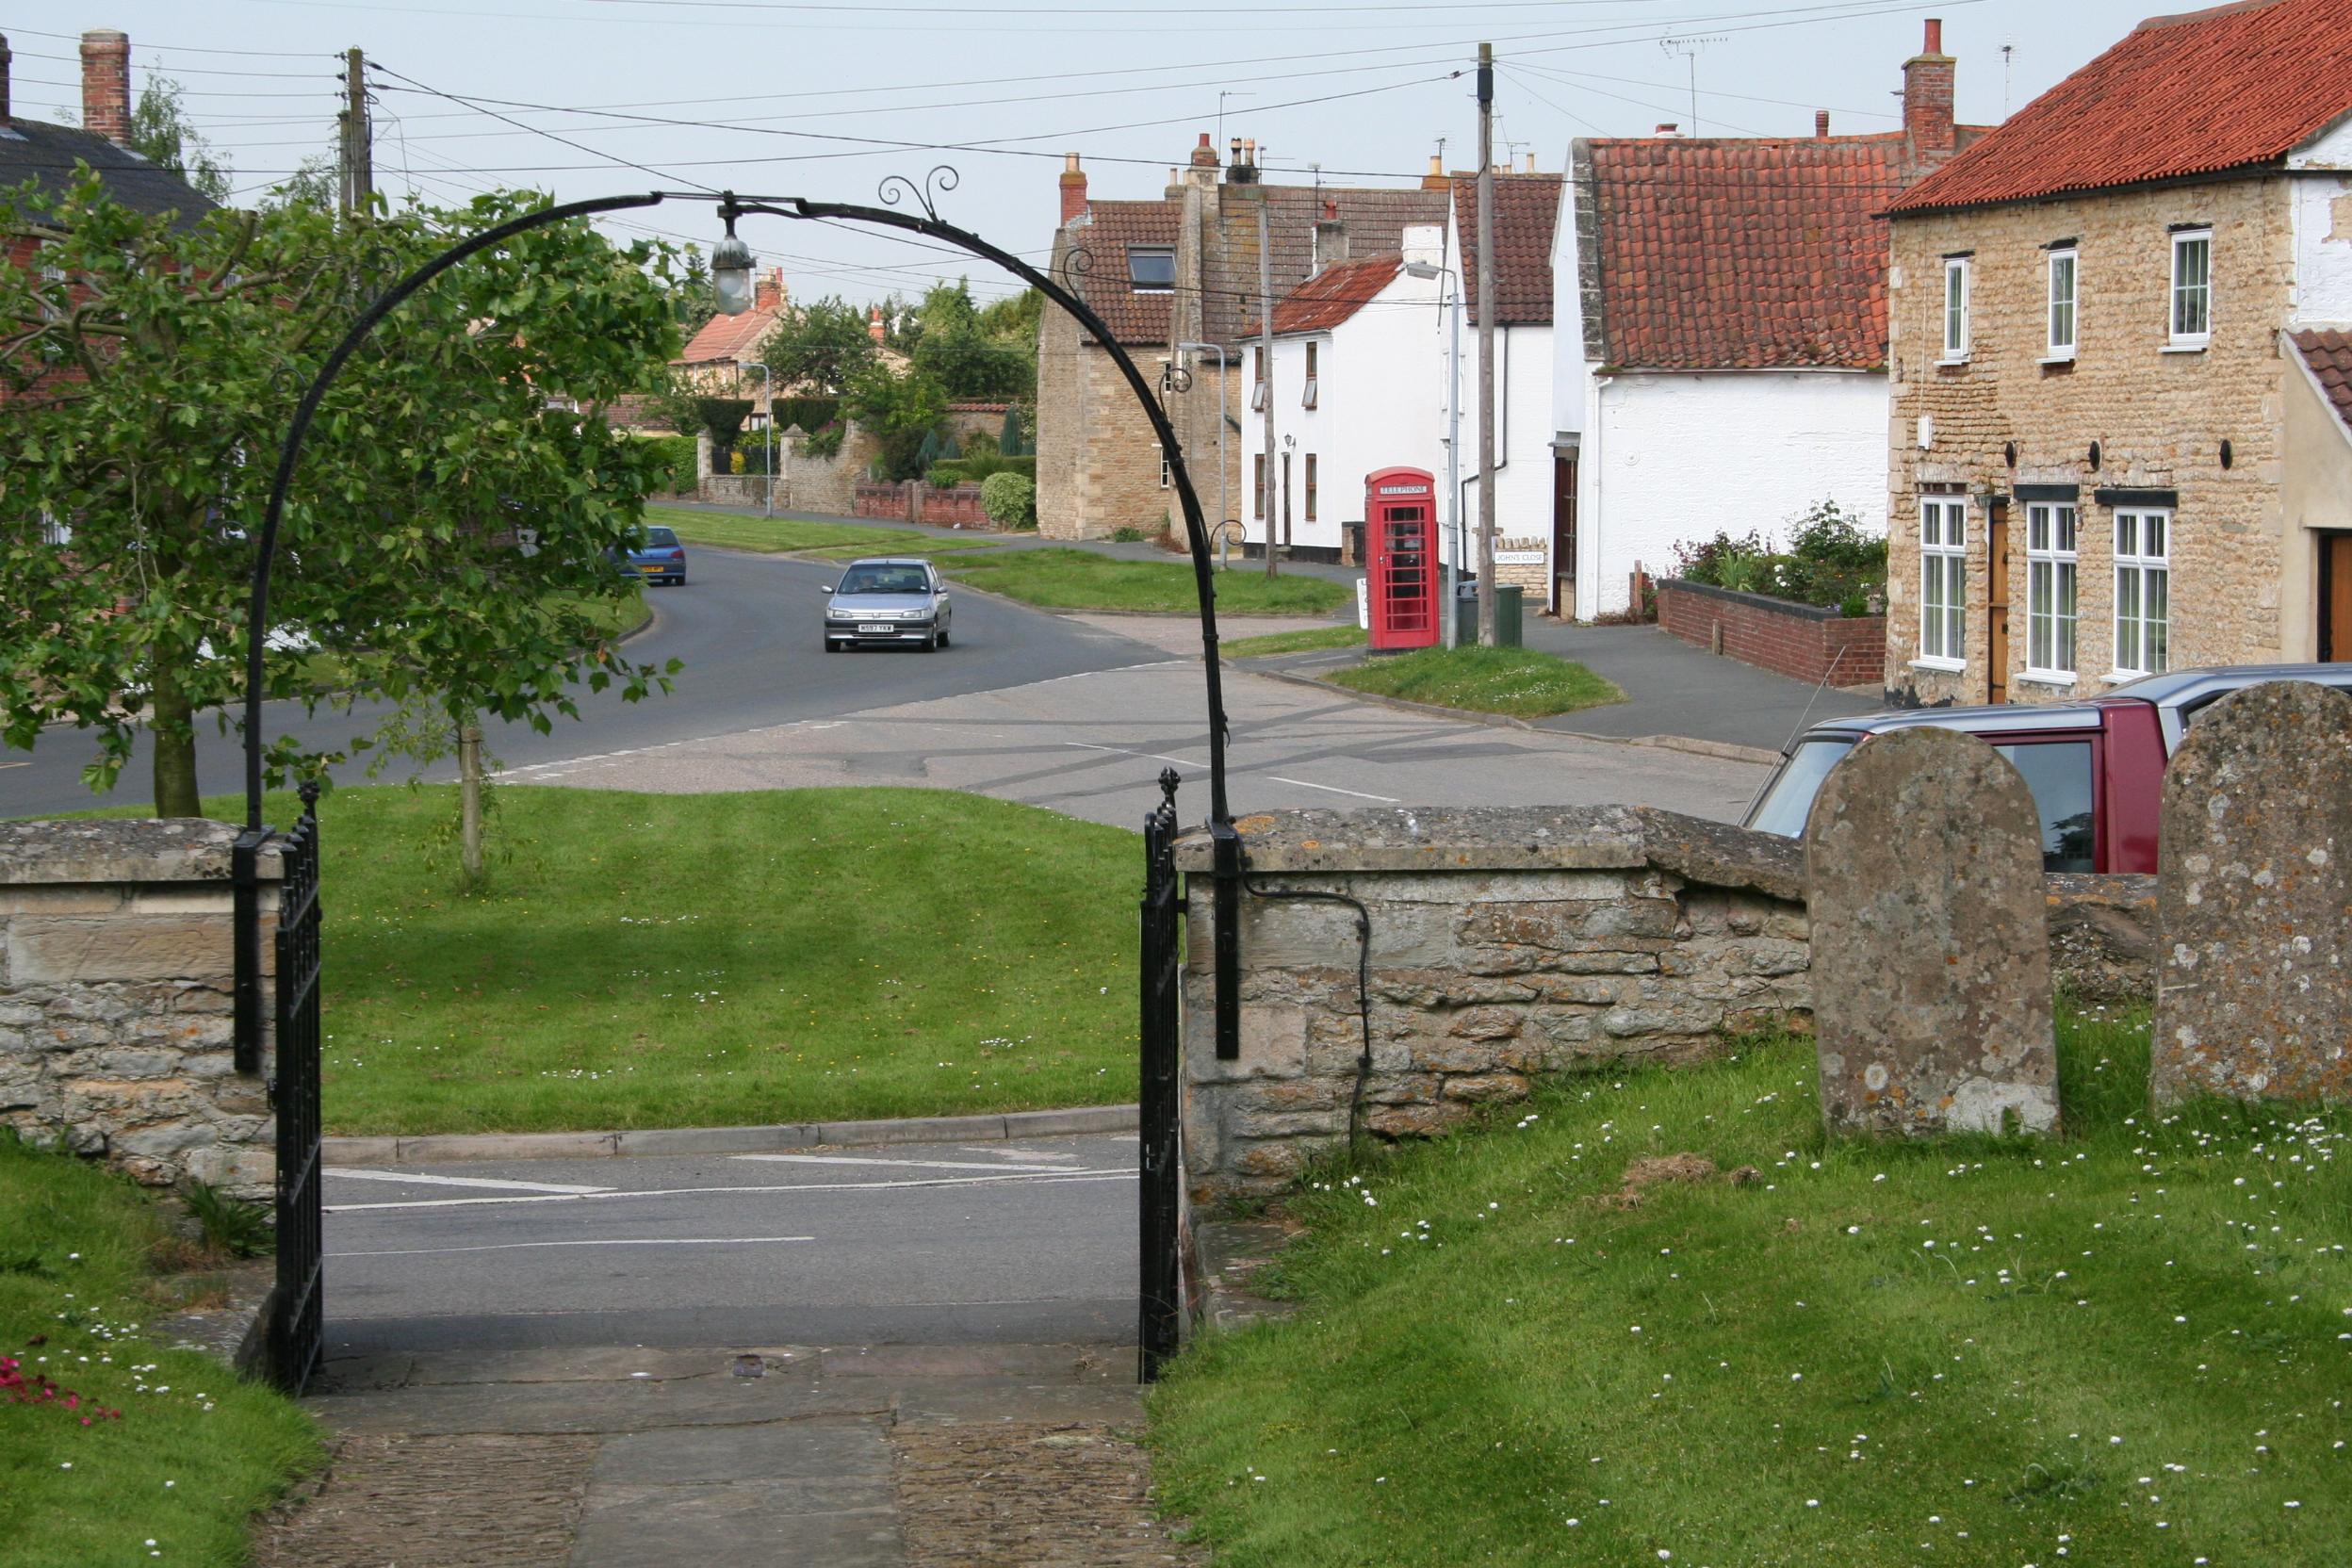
2096 767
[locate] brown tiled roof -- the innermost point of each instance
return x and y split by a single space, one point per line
1332 295
2229 88
1749 253
1527 207
1375 220
2329 356
723 338
1110 228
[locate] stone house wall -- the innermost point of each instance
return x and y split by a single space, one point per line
117 998
1507 944
1097 460
1800 641
2158 417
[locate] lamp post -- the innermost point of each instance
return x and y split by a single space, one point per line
767 393
1453 439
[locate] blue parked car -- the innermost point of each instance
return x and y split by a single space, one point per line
660 559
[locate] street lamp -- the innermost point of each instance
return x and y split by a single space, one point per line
1453 439
730 273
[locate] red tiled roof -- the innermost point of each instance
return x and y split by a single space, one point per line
2329 356
1747 254
1110 229
2229 88
1375 220
1332 295
1527 207
723 338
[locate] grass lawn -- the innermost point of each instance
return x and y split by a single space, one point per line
1294 642
1518 682
929 545
772 535
2128 1347
195 1450
688 961
1080 579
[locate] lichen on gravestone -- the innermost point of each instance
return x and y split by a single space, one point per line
2254 901
1930 941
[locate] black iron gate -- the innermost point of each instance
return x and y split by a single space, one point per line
297 1316
1162 1296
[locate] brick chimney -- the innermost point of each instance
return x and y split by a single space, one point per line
1669 128
873 324
5 58
1820 124
1331 238
1073 189
768 293
1435 179
1927 94
107 85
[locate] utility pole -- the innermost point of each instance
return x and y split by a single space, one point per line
1486 345
1265 367
358 153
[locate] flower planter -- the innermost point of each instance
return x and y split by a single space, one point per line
1803 642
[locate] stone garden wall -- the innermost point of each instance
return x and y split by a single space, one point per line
117 971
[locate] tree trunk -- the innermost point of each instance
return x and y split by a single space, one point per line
172 728
469 800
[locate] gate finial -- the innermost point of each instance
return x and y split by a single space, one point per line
1169 778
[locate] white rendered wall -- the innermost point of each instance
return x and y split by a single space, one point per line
1524 371
1669 458
1381 403
2322 209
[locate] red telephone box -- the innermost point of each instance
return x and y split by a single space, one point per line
1400 548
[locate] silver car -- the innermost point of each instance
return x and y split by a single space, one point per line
888 601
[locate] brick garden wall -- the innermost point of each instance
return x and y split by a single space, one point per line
1799 640
117 976
915 501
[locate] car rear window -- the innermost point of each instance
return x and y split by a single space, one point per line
2058 773
1788 800
662 537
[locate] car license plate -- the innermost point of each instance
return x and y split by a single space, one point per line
649 569
869 627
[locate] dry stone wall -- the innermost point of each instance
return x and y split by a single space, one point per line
1504 943
117 971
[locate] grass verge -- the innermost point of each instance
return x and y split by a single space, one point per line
927 547
690 961
2126 1346
773 535
1080 579
1294 642
195 1450
1521 683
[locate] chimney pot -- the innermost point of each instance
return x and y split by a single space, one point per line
107 85
1203 153
1668 127
1435 179
1821 122
1927 84
1073 183
1531 166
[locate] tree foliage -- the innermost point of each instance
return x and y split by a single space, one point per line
162 133
953 342
902 413
818 348
445 532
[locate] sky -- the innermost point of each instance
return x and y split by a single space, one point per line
827 98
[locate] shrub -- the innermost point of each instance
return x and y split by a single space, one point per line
674 462
809 414
1830 563
1009 499
979 443
826 440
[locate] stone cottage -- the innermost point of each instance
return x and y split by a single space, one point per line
2118 439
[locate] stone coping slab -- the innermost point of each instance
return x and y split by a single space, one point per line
997 1125
1481 839
121 849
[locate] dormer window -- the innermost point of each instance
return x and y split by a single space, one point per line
1151 269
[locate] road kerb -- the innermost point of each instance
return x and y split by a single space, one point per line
995 1126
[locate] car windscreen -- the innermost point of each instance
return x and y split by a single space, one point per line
884 579
661 538
1789 799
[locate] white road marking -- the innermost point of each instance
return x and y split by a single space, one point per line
1048 1178
617 1241
1017 1156
350 1175
859 1159
1333 788
1154 755
15 764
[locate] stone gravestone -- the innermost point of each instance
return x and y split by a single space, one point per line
2254 901
1931 948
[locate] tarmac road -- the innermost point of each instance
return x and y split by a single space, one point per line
746 628
1032 1242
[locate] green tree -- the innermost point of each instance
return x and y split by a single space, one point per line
446 535
900 412
316 182
1014 319
693 298
162 133
952 343
820 348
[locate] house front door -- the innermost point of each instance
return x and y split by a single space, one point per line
1563 535
2335 598
1997 602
